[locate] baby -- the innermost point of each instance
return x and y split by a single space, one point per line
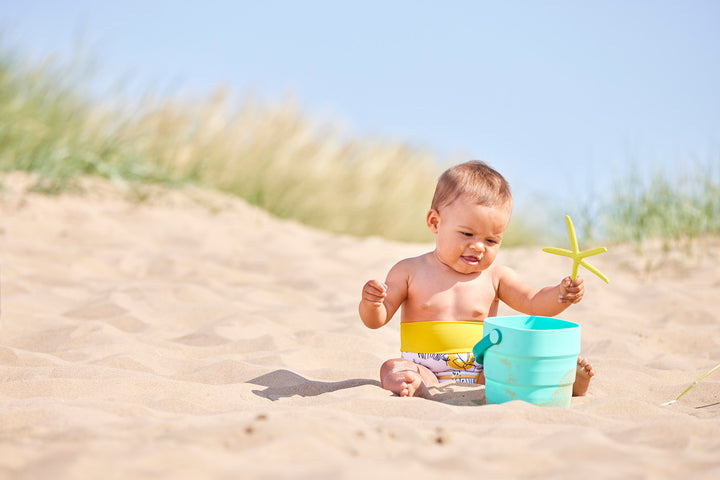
458 282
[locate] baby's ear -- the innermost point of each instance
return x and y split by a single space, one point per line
433 220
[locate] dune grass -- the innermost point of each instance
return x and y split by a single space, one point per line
47 128
675 208
269 155
277 159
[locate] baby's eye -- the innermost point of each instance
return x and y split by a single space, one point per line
490 241
466 234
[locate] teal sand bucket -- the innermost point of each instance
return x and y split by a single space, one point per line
529 358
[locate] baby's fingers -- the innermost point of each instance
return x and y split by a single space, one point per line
376 286
571 297
572 291
374 291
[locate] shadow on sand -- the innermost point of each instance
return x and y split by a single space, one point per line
284 383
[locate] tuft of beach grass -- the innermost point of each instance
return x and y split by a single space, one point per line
673 207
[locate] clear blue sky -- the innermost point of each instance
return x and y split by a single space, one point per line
546 91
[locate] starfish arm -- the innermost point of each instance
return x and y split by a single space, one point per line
559 251
576 255
593 251
573 237
574 273
594 270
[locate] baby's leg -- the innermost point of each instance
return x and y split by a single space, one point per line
406 379
583 375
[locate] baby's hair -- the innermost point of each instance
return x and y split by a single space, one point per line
477 181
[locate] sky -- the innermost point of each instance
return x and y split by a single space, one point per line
561 96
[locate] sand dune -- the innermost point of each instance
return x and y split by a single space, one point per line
194 336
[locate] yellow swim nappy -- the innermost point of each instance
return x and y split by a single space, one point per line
440 337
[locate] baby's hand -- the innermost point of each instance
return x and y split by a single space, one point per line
375 292
571 291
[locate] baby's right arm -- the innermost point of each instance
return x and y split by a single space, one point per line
380 300
372 308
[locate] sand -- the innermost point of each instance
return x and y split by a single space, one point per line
193 336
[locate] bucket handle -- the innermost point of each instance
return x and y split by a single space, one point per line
492 338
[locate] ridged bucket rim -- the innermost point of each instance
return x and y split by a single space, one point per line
561 324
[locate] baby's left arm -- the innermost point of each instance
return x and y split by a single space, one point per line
548 301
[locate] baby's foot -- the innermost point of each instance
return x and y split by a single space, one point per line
405 383
583 375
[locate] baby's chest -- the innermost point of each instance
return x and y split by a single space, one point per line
459 301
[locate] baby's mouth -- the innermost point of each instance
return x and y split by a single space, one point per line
470 259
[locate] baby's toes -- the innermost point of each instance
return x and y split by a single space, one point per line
586 367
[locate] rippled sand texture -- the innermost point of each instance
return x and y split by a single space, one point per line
193 336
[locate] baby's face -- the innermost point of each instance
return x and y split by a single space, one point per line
467 235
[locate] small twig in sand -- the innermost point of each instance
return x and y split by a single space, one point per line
691 386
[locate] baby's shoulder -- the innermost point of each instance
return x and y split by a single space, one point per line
412 264
499 272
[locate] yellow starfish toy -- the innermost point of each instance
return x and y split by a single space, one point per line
577 256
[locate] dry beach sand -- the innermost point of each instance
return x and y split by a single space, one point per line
194 336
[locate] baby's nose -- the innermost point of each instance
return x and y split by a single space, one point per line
478 246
